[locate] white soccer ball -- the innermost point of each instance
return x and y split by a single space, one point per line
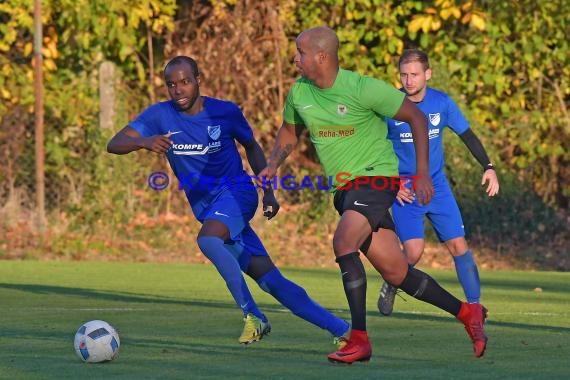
96 341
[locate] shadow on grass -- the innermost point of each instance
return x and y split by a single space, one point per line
449 319
108 296
136 298
97 295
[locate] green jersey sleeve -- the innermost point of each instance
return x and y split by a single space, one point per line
290 114
381 97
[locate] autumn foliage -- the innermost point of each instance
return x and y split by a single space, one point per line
505 63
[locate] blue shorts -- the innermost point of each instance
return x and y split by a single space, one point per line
235 208
442 212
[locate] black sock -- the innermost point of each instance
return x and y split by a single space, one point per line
354 281
421 286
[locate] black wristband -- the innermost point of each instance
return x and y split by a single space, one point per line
488 166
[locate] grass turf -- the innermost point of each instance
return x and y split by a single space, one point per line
177 321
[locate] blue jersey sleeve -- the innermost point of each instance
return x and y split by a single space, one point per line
456 120
241 129
147 123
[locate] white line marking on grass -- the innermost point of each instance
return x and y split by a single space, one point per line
77 309
532 313
110 309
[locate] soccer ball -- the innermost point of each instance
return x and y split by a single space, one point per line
96 341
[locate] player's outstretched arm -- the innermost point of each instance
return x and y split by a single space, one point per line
128 140
411 114
476 148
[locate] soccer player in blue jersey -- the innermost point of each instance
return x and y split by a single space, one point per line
198 134
443 212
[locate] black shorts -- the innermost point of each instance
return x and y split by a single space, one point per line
373 203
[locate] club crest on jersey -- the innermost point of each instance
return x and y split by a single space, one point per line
214 131
341 109
434 119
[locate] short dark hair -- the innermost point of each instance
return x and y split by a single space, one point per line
414 55
184 59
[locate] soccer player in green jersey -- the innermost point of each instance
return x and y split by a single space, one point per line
345 115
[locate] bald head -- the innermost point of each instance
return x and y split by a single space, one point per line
321 39
317 55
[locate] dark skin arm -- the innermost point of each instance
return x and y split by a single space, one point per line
285 142
128 140
257 161
411 114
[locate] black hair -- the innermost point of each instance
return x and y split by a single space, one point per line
184 59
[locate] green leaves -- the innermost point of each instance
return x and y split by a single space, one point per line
507 62
507 59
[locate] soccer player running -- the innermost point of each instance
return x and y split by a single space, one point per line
198 134
344 113
442 212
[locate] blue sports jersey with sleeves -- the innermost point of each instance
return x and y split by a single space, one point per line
441 111
204 156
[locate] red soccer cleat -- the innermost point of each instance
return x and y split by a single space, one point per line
473 317
357 349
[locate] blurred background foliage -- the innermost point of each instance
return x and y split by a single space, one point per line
505 64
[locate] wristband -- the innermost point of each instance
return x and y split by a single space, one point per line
489 166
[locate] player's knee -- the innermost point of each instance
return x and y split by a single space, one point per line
342 245
274 282
208 244
259 266
264 286
457 246
413 257
413 252
271 281
394 278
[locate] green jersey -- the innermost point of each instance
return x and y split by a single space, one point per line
347 124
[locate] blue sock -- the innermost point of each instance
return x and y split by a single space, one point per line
468 276
228 267
296 299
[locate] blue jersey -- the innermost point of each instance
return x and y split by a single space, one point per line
441 111
204 155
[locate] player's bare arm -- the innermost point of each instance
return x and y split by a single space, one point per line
285 142
128 140
411 114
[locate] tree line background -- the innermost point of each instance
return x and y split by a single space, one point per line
505 63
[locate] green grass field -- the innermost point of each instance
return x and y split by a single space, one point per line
177 321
